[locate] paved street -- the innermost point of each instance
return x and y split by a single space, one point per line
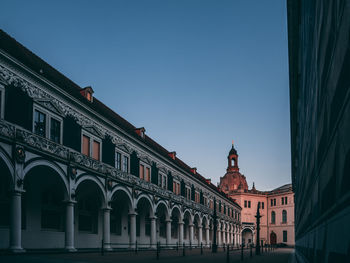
279 255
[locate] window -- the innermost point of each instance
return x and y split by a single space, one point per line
88 215
286 200
188 193
40 123
196 197
91 146
271 202
285 235
176 187
273 217
142 172
162 180
248 204
211 204
148 174
96 150
282 199
262 205
47 124
2 102
55 130
274 202
284 216
118 160
86 145
245 203
125 164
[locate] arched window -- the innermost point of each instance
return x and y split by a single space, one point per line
233 162
273 217
284 216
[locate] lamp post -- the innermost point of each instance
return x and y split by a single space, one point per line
214 246
258 216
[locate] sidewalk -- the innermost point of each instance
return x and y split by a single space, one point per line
192 256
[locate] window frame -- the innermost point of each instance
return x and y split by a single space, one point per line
2 102
145 167
122 159
48 115
92 139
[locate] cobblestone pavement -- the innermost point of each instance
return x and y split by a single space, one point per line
192 256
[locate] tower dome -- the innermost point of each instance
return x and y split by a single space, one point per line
233 179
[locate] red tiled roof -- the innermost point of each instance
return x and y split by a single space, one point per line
38 65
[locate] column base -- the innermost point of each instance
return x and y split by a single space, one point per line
70 249
107 248
17 250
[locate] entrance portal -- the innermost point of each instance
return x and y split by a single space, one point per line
273 238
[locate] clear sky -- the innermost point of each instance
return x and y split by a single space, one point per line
196 74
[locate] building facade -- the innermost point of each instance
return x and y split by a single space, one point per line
319 62
276 206
74 174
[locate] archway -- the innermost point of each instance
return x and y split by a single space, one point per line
187 222
162 215
43 207
143 221
121 205
88 214
175 219
5 203
247 236
273 238
196 227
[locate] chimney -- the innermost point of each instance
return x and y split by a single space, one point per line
141 132
194 170
87 93
172 155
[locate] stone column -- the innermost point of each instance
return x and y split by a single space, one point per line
191 233
207 241
106 228
132 215
219 235
181 232
153 232
168 231
200 233
224 235
16 222
69 234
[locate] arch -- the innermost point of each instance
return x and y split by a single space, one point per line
197 218
88 177
162 203
187 212
273 238
125 191
149 200
247 236
36 162
205 221
175 207
7 161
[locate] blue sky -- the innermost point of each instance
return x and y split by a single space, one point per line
196 74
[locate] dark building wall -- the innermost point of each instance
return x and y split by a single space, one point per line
319 64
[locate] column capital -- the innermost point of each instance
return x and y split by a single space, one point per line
181 223
132 213
106 208
69 202
153 217
168 220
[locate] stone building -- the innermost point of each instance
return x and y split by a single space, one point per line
73 173
276 206
319 64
